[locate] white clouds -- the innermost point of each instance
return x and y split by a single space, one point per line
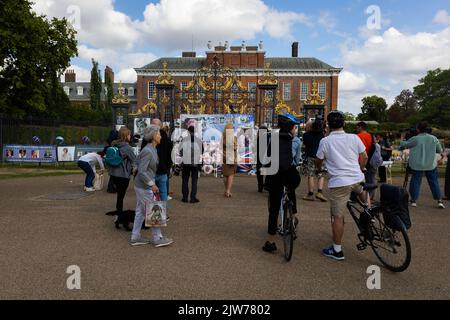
327 20
355 86
113 38
122 61
171 23
100 25
116 58
395 54
442 17
387 63
279 24
126 75
349 81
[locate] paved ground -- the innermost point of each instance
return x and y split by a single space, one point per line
216 255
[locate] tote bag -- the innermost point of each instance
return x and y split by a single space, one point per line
98 182
156 213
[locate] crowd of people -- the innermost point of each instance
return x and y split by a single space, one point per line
324 150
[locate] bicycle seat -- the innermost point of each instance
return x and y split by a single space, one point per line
369 187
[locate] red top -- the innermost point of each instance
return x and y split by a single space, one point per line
366 138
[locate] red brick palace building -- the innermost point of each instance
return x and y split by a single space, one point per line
306 85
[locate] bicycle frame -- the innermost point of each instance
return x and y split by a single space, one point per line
284 200
363 208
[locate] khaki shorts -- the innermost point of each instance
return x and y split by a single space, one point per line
339 198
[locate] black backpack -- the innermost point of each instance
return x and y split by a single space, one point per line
394 204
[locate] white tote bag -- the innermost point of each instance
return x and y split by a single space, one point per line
156 214
98 182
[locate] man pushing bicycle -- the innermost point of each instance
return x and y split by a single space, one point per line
345 158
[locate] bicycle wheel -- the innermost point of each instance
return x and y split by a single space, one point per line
288 235
392 247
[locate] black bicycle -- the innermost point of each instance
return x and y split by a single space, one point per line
382 231
287 226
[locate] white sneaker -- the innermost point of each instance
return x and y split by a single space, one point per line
140 242
89 190
163 242
169 198
413 204
441 205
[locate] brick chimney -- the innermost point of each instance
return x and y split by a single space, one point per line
189 54
295 50
70 76
109 74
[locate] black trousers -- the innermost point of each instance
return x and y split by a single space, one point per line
186 173
291 179
121 186
447 180
260 178
111 186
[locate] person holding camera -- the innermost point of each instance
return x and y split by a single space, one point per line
422 160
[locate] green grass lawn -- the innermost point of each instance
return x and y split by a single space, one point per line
31 170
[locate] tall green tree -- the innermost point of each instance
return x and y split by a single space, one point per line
373 109
109 92
96 87
34 51
404 108
433 94
349 116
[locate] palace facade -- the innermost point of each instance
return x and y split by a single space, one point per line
304 86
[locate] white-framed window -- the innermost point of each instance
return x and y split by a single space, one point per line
269 94
80 91
130 91
151 90
287 88
252 91
183 85
67 90
218 91
322 89
304 90
234 92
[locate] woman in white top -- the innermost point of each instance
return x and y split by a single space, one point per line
87 164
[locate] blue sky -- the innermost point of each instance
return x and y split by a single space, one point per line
348 16
413 36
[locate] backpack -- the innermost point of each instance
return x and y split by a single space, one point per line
394 204
113 157
375 159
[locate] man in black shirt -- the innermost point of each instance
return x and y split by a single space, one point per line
191 151
386 153
311 141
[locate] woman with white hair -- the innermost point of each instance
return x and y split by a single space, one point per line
146 189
